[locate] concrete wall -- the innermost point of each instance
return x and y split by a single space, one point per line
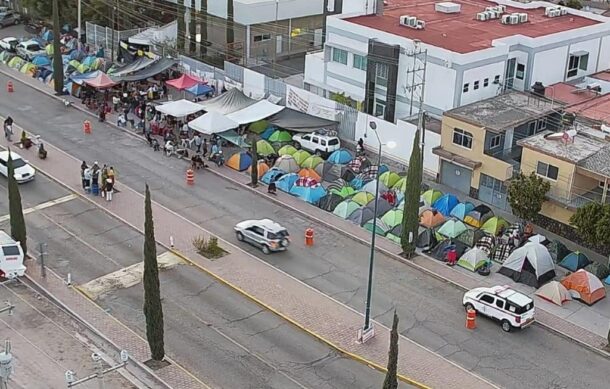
480 74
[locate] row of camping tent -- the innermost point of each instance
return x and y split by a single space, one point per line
581 285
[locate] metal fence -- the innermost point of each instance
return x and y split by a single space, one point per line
100 36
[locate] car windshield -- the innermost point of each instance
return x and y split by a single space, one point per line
278 235
17 163
33 47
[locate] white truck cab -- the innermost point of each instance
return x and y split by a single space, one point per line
11 257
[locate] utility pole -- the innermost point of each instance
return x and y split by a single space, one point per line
43 270
113 28
80 32
416 75
58 73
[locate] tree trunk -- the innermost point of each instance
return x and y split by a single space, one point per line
254 167
410 219
18 230
391 378
58 66
153 310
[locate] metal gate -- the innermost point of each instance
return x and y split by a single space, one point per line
493 191
455 176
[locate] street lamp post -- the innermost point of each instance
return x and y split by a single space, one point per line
368 331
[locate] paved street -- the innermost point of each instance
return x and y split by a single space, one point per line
430 310
209 328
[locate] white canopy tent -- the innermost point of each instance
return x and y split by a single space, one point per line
179 108
257 111
212 123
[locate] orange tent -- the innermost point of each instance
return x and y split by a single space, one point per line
431 218
588 287
262 168
307 172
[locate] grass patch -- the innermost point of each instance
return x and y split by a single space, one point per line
208 248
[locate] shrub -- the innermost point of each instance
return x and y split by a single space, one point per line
209 248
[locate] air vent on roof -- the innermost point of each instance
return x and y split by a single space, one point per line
447 7
515 18
412 22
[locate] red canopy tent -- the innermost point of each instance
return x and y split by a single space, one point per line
101 81
184 82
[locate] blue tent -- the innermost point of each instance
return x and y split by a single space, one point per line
341 156
358 182
383 169
200 89
267 133
461 210
445 204
41 60
286 182
271 175
89 60
311 194
48 36
77 55
574 261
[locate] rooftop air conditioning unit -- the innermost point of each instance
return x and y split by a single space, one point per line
408 21
594 86
547 11
420 25
554 13
514 19
563 10
494 14
505 19
522 17
482 16
501 8
448 7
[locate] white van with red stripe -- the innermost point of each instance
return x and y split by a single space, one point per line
511 308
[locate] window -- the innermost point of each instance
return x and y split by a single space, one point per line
462 138
476 85
486 83
541 125
333 142
602 184
359 62
262 37
257 230
322 142
307 137
314 139
10 250
465 88
577 62
487 299
520 71
500 303
495 141
380 108
339 56
381 74
548 171
497 79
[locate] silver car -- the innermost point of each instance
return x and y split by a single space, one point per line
30 49
266 234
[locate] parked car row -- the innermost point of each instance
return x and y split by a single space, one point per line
8 17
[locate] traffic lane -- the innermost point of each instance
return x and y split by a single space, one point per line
33 193
216 204
217 330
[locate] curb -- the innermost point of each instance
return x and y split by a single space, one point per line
296 324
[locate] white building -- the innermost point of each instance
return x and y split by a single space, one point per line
473 51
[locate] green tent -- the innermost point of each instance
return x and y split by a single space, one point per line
264 148
345 208
16 63
280 136
430 196
392 218
494 225
49 49
28 68
82 68
74 63
393 238
473 259
380 229
343 191
5 56
451 229
258 127
363 198
312 162
400 185
389 178
287 150
300 156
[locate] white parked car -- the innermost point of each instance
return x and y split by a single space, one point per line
320 143
23 171
266 234
30 49
511 308
9 44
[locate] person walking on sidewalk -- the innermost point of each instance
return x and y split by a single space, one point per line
109 188
8 128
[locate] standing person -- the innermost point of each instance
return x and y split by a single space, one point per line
104 178
116 101
8 127
87 175
198 142
112 175
204 148
95 177
83 167
109 188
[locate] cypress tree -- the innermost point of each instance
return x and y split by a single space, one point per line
391 377
254 167
410 218
152 295
58 67
18 231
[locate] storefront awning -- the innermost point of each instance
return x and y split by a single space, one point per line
179 109
255 112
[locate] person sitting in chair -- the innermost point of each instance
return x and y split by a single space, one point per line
169 148
155 144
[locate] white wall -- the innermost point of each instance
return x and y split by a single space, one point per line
218 8
550 65
254 84
314 68
591 47
263 11
604 55
480 74
403 133
439 78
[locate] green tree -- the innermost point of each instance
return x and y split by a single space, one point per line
526 195
592 221
58 67
153 310
410 217
391 377
254 167
17 221
576 4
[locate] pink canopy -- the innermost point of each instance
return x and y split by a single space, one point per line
101 81
185 81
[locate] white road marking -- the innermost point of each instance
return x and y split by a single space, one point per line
41 206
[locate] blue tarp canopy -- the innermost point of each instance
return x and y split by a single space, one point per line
79 79
41 60
199 89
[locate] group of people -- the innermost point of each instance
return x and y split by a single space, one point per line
98 180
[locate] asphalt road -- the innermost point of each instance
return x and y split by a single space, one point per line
210 329
430 310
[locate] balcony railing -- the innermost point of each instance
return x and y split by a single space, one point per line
574 200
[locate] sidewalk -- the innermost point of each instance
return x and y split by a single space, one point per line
307 308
